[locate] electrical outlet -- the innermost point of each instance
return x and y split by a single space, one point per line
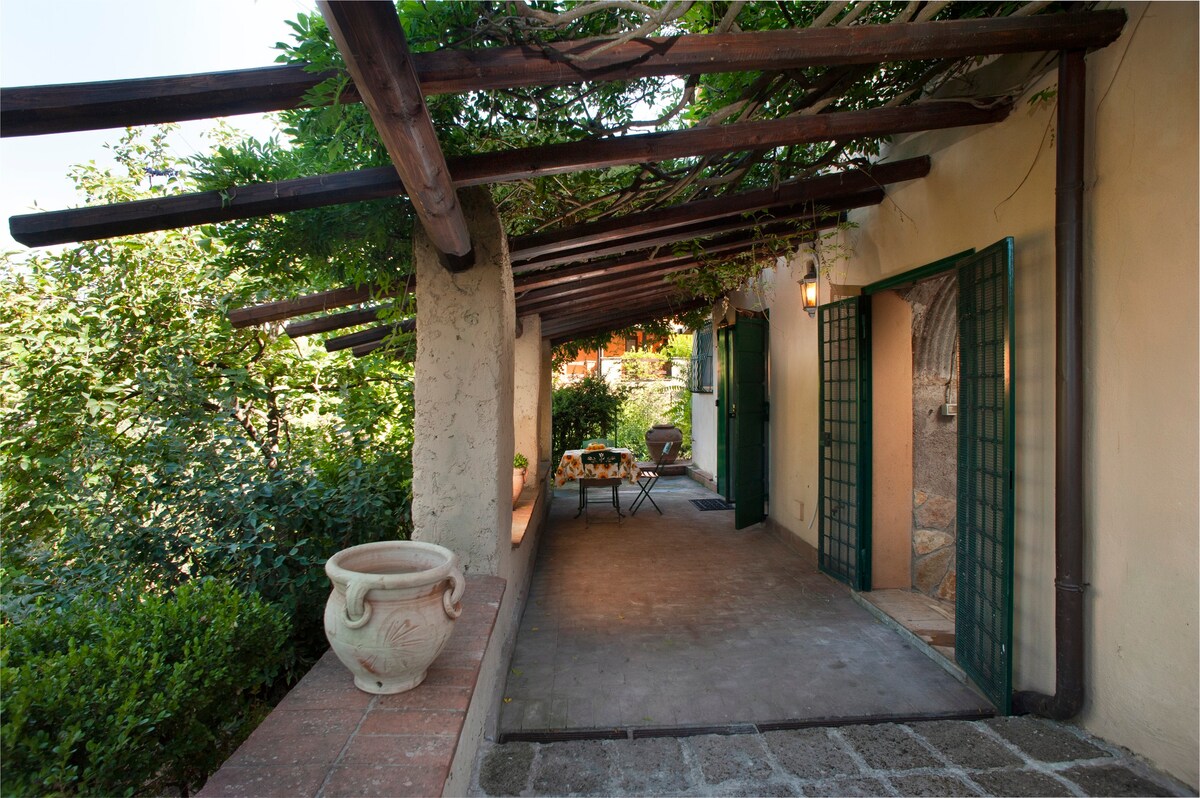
799 508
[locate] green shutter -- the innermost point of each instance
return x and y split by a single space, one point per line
983 613
845 482
748 415
724 399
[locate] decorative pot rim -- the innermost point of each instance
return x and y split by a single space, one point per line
342 575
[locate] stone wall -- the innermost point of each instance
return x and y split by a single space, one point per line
935 436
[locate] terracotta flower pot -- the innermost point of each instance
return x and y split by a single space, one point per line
518 484
658 435
391 611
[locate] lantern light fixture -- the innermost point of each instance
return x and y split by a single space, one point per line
808 289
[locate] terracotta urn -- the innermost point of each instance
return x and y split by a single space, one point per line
518 484
658 435
391 611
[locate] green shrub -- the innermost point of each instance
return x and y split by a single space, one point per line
651 403
134 695
585 409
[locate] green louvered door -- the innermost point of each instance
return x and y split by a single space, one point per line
983 612
845 398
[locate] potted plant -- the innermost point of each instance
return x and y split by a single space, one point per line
520 464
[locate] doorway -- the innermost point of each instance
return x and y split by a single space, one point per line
929 485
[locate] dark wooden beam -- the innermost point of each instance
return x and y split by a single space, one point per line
290 308
826 214
585 296
553 159
617 302
570 274
594 325
32 110
141 216
334 321
371 41
599 281
361 337
814 189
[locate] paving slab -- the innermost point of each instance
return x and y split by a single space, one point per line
1044 741
965 745
852 760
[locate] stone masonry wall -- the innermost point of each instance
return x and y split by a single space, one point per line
935 436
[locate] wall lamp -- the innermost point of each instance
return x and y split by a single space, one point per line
808 289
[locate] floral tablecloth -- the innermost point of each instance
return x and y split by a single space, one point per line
571 468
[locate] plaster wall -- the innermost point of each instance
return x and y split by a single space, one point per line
527 383
892 441
545 399
463 429
1141 370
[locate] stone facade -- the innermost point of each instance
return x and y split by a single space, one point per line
935 436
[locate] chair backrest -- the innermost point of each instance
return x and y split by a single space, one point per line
665 450
606 441
601 457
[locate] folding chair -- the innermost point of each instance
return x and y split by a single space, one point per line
648 477
601 457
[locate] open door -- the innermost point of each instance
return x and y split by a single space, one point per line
742 418
844 499
984 547
748 417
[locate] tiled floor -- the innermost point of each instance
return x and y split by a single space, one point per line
678 620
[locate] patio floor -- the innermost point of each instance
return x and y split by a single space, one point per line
679 621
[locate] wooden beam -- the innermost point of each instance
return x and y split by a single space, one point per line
584 296
824 215
379 333
813 189
289 308
371 41
553 159
32 110
334 321
616 302
593 325
141 216
532 281
599 281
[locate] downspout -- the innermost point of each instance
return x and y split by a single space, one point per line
1068 466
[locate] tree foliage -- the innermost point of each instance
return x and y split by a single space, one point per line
147 444
368 241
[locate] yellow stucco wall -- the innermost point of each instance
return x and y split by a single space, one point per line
1141 298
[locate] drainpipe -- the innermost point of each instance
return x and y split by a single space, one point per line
1068 466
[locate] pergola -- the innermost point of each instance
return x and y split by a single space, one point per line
581 279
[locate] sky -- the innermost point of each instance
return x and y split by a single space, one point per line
72 41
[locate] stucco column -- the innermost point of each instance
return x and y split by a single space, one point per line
527 369
545 397
463 429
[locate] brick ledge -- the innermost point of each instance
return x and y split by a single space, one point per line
327 738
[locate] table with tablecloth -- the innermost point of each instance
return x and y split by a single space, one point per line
571 468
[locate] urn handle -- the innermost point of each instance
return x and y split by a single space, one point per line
451 599
357 610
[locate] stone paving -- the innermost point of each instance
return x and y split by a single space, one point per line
999 756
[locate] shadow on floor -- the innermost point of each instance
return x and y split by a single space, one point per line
677 620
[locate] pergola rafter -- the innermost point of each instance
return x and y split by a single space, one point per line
370 38
566 275
244 202
36 110
814 190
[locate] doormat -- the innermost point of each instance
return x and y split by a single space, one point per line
712 504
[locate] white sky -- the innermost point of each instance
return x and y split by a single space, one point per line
68 41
